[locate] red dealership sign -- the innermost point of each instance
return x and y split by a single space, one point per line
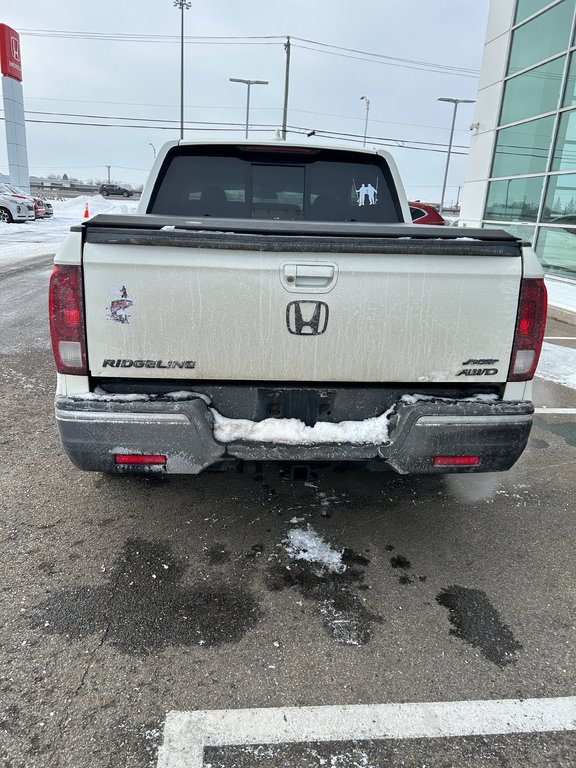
10 63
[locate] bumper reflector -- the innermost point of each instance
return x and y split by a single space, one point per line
139 458
456 461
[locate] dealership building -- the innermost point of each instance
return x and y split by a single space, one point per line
521 174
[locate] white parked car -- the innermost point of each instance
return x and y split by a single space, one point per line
18 196
12 210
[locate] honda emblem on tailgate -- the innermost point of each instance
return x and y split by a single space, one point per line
307 318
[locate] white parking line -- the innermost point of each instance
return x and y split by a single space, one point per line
567 411
186 734
560 338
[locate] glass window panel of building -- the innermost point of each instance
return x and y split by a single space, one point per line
556 248
570 92
526 232
542 37
533 93
514 199
524 148
560 203
527 8
564 158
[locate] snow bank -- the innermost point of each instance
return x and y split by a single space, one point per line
558 364
561 294
295 432
74 207
308 545
20 242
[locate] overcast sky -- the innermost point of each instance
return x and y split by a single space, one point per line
128 82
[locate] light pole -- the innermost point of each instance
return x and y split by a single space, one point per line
248 83
367 100
153 149
455 102
183 5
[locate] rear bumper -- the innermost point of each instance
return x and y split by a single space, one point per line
93 431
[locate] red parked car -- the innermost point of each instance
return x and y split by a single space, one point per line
39 210
422 213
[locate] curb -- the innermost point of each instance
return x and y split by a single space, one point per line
562 315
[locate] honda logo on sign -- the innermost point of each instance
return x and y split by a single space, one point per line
307 318
10 56
15 48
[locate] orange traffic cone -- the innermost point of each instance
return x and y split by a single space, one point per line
86 212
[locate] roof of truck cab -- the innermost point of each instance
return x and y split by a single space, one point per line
279 144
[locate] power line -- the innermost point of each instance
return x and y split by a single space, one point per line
388 58
211 124
374 141
243 109
319 47
124 37
259 128
429 68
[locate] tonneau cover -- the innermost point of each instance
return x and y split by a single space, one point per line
297 237
286 227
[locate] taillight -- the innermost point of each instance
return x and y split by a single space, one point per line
530 327
65 308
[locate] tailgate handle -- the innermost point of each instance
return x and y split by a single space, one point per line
309 275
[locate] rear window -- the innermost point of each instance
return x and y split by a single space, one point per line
253 183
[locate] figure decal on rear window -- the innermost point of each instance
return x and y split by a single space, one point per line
366 191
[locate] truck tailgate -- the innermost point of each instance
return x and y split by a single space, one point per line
385 307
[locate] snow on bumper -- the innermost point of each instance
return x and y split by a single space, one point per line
405 439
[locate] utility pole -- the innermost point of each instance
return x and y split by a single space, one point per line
286 87
367 100
183 5
108 166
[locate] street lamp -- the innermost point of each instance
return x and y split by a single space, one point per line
455 102
248 83
183 5
153 149
367 100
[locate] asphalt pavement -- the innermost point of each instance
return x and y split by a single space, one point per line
123 599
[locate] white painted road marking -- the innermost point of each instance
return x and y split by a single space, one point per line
560 338
567 411
186 734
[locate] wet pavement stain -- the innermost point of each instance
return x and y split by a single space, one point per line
344 615
564 429
349 557
217 554
256 551
399 561
476 621
144 608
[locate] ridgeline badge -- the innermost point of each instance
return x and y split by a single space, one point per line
124 363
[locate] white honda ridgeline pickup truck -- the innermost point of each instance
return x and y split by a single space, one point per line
274 302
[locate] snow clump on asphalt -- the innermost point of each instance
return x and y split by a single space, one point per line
308 545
